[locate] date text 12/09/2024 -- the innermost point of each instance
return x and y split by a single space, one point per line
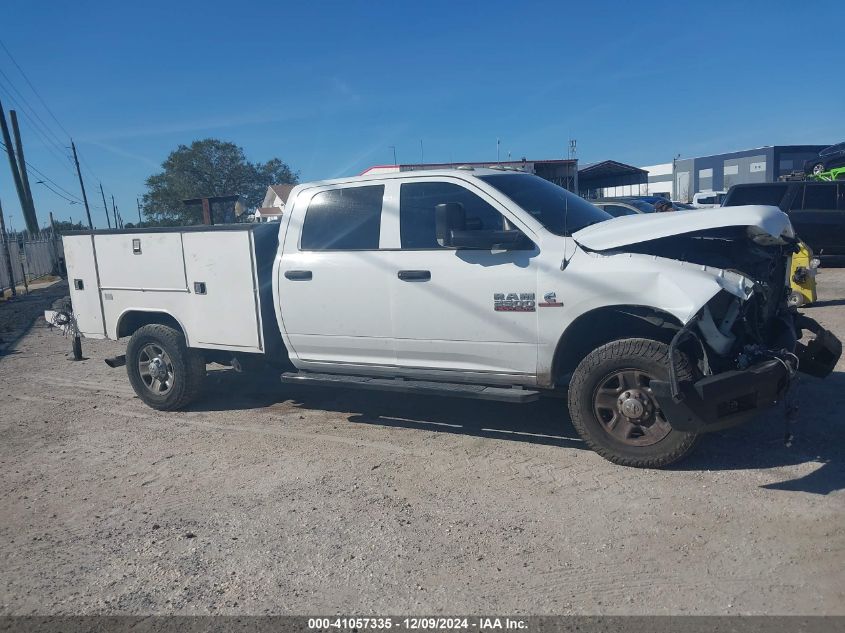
418 623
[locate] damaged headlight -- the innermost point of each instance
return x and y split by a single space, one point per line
762 237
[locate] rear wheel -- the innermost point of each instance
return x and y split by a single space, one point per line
164 372
614 410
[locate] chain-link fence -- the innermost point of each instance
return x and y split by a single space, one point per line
31 259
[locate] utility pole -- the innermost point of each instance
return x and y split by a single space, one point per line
31 218
497 150
7 253
54 251
105 206
393 147
140 221
16 174
82 186
422 156
114 211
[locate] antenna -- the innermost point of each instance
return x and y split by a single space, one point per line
573 148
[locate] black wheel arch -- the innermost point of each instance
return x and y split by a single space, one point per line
605 324
132 320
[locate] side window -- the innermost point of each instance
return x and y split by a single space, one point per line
416 211
343 219
820 197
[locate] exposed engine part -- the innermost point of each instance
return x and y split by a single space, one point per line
801 275
718 338
675 387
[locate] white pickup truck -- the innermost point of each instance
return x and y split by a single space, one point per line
479 283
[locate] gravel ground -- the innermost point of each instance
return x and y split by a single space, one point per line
266 498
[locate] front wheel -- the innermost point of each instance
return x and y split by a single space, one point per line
818 168
614 410
164 372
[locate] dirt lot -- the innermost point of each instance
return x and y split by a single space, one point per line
271 499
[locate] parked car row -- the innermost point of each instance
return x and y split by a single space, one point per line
632 205
816 210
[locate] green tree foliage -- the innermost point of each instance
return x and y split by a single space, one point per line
63 226
209 167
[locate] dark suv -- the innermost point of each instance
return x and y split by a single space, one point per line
829 158
816 209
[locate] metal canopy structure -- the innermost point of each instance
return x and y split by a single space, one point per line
206 202
608 173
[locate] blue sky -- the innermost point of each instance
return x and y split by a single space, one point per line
329 87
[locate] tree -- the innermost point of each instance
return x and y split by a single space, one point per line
209 167
63 226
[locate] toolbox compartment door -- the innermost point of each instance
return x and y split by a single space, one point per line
141 261
224 307
82 276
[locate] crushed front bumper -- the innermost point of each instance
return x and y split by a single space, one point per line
723 400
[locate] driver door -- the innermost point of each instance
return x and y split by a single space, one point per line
461 309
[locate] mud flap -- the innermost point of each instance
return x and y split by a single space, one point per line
722 400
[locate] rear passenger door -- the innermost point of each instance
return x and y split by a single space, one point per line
334 282
817 213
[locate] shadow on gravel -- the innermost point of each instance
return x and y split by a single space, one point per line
818 438
825 304
756 445
544 422
18 315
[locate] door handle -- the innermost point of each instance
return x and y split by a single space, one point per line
298 275
414 275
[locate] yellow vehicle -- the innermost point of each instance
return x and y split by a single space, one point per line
802 277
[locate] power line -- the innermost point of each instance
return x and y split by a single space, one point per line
23 74
50 132
28 105
46 177
50 145
41 182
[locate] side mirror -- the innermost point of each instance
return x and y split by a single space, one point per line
448 217
487 239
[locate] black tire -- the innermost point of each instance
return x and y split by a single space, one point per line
648 443
184 368
818 168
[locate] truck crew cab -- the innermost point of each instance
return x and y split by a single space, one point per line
479 283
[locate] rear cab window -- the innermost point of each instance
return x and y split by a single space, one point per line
772 195
346 218
815 197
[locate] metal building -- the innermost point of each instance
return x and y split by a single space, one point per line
721 171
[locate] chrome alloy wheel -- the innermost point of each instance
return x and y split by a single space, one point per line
156 369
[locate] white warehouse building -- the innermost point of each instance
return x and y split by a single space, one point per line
660 181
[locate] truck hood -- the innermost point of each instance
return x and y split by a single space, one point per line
765 221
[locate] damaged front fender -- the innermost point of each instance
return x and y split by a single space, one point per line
679 288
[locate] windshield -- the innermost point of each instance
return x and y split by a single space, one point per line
558 210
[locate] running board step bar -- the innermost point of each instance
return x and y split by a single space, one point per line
456 390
